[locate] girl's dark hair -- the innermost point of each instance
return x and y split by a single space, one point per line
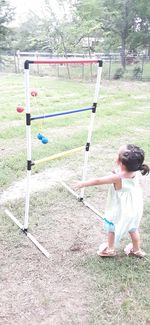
132 158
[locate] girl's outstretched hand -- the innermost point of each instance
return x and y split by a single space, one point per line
77 184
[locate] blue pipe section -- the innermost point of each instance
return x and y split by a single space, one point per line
61 113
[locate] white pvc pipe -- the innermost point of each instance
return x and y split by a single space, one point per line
84 173
96 94
97 87
13 218
27 93
28 141
27 201
36 243
69 189
97 212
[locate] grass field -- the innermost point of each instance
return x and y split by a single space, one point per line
73 286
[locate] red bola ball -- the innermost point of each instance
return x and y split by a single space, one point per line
34 93
19 109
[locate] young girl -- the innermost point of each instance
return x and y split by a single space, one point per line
124 206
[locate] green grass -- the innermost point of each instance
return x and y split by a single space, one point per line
121 112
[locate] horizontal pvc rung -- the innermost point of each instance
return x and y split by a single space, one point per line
56 156
60 113
63 61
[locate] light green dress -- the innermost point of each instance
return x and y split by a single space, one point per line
124 207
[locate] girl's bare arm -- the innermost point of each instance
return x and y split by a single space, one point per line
111 179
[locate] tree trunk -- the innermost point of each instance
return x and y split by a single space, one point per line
148 52
125 32
65 52
123 53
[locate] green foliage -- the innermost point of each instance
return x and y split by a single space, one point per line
141 34
137 73
6 16
118 74
29 35
117 24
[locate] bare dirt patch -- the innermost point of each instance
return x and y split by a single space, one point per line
34 289
11 124
39 182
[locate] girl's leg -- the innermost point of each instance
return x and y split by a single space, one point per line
134 248
135 237
111 240
107 249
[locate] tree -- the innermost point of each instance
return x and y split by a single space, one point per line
49 32
140 36
6 16
88 21
111 19
118 24
60 27
118 21
123 24
29 36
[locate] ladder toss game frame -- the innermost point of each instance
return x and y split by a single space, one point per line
30 163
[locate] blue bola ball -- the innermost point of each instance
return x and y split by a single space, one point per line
44 140
40 136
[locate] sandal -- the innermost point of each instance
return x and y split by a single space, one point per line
104 251
129 251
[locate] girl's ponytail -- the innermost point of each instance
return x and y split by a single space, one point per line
144 169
